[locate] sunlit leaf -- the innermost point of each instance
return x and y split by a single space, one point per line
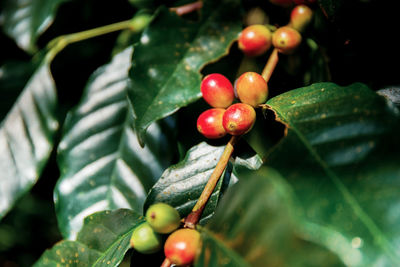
102 165
26 137
25 20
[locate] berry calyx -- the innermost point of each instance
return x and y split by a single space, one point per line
163 218
286 39
239 118
145 240
300 17
217 90
209 123
181 246
255 40
251 88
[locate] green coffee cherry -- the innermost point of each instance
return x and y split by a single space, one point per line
163 218
145 240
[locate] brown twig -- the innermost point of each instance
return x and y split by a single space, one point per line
166 263
193 218
188 8
270 66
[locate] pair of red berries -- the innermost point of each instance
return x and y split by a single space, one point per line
255 40
223 118
181 245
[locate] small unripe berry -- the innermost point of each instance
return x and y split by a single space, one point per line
217 90
209 123
181 246
286 39
163 218
239 118
145 240
251 88
255 40
300 17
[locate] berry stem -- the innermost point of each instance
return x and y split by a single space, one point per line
166 263
193 218
270 66
188 8
136 24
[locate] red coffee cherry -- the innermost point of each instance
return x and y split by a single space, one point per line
251 88
300 17
286 39
217 90
239 118
181 246
209 123
255 40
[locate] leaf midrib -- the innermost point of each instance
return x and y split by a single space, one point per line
374 230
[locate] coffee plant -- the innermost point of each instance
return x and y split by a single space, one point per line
199 133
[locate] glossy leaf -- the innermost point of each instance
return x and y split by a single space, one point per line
26 137
166 66
102 165
182 184
258 224
342 148
13 78
25 20
103 241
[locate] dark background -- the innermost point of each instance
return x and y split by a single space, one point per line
358 40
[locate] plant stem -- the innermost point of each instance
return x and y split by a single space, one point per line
270 66
135 24
185 9
166 263
193 218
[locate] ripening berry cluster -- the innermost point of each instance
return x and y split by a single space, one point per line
227 118
181 245
250 88
257 39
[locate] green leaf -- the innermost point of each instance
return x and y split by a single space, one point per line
26 20
103 241
258 224
166 65
26 137
13 77
342 146
102 165
181 184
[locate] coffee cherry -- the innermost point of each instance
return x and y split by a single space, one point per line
209 123
251 88
217 90
145 240
286 39
239 118
163 218
282 3
300 17
181 246
255 40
